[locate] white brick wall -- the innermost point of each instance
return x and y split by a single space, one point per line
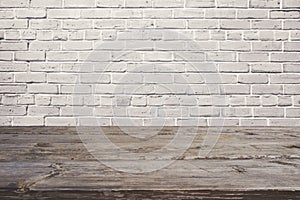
150 62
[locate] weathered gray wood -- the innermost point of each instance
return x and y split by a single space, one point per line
43 162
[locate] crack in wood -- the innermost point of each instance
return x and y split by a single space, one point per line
24 186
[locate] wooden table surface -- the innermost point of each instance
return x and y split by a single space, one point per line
245 163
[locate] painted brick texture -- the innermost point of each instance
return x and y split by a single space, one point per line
150 62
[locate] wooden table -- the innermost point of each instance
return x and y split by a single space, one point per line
245 163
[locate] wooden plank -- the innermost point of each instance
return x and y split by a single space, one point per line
244 163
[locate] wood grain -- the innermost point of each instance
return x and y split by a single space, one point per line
245 163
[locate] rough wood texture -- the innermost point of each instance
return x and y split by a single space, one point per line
245 163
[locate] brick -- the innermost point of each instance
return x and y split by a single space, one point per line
292 89
126 14
220 56
235 24
200 3
172 112
76 111
237 100
48 3
220 13
79 3
140 24
12 110
77 24
291 68
295 35
264 3
43 111
12 67
180 13
252 14
95 13
236 89
158 78
5 121
138 3
6 14
94 78
60 121
266 24
44 67
42 100
31 13
43 45
253 78
77 45
158 56
162 13
61 78
291 24
267 89
5 77
168 3
266 68
61 56
266 46
234 67
292 46
204 112
285 57
32 77
42 89
188 78
25 100
159 122
284 122
291 4
217 35
203 24
45 24
232 3
12 35
253 57
296 100
14 24
281 36
109 3
9 100
109 23
191 122
78 89
30 56
13 46
284 14
6 56
92 121
176 23
28 121
63 14
14 3
253 101
285 101
237 112
12 88
235 46
266 35
269 101
268 112
285 78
